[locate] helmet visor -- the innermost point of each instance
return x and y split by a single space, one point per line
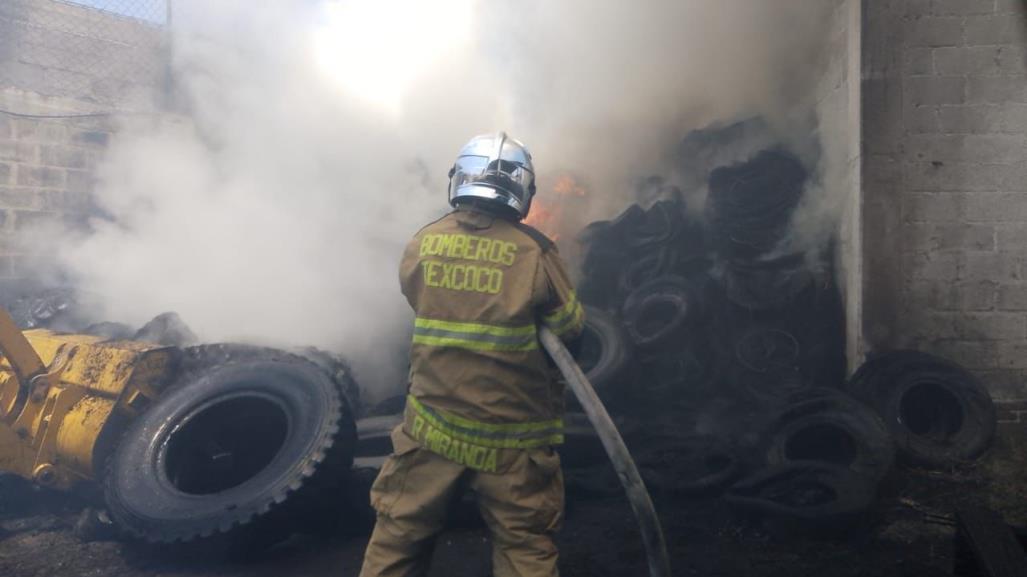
507 176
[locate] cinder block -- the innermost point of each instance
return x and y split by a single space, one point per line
5 173
975 119
996 89
914 8
28 220
967 148
81 181
933 295
40 130
973 355
934 266
962 7
977 296
1013 176
978 61
994 29
51 201
17 151
921 119
933 208
1011 237
6 128
77 201
997 267
955 177
1012 297
11 197
917 61
933 326
961 236
934 90
66 156
1012 355
40 176
992 326
934 31
996 207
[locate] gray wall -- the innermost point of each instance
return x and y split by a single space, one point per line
64 60
58 49
944 168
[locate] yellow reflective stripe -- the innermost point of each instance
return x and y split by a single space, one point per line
566 318
560 315
473 345
510 428
572 324
474 336
497 330
509 436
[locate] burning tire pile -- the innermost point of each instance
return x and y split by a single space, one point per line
707 325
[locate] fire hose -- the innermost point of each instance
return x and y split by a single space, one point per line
623 464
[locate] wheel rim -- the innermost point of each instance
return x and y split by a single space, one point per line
223 443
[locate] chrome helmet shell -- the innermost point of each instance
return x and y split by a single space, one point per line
496 171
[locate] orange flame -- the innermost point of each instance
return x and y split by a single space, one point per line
548 211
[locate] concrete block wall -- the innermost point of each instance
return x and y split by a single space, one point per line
47 173
61 49
59 61
945 183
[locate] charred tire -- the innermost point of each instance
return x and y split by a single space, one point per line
658 312
806 492
605 355
688 466
227 449
834 432
644 269
938 414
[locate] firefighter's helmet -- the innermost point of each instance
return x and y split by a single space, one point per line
494 170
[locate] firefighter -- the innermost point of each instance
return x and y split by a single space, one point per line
484 408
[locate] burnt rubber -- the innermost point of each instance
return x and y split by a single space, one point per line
229 446
605 356
938 414
686 465
658 312
804 491
835 430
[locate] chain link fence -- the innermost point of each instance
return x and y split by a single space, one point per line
110 52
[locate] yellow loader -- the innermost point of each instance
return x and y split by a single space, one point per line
188 444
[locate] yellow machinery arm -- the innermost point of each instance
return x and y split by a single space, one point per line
63 399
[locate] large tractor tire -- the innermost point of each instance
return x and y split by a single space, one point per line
232 447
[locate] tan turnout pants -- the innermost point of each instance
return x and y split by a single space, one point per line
522 507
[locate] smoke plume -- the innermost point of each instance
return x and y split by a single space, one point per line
275 207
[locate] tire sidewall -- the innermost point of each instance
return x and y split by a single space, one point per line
142 497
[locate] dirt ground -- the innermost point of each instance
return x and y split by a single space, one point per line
909 533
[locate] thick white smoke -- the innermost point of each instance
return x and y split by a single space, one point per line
276 209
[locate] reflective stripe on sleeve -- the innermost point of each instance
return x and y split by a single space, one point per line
474 336
567 319
492 435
